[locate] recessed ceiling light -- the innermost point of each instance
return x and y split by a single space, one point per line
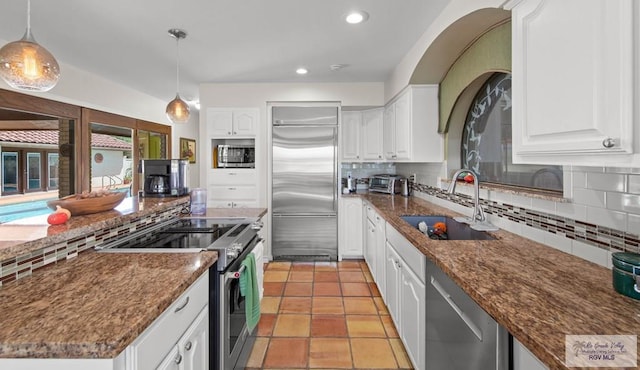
301 71
356 17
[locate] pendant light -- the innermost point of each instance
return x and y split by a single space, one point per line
178 109
25 65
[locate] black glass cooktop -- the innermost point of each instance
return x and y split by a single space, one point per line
182 234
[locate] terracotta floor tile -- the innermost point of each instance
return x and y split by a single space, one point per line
351 277
303 266
292 326
295 305
327 305
374 290
359 306
325 276
328 326
271 276
258 352
372 354
349 265
300 276
382 308
279 265
330 353
273 289
298 289
269 304
356 289
364 266
287 353
401 355
326 289
326 266
265 326
368 326
389 327
368 277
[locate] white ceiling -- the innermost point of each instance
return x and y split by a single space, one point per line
228 40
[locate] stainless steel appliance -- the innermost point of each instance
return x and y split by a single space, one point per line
233 238
304 182
236 156
384 183
165 177
460 334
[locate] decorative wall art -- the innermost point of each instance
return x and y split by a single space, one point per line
188 149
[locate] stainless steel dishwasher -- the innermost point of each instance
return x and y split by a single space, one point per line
460 334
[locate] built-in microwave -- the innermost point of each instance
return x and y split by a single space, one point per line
236 156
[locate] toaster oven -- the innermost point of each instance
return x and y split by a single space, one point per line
384 183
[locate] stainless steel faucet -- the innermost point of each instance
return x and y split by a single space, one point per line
478 220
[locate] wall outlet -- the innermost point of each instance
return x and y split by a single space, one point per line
412 178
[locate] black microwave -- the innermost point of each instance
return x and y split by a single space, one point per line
236 156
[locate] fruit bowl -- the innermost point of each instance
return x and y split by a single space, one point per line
84 204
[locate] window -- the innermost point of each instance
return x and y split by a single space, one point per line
486 141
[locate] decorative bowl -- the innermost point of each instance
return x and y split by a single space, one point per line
84 206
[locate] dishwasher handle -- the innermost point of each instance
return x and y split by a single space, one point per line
447 297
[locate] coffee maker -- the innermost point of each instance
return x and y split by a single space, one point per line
165 177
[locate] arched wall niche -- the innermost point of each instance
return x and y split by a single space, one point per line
451 43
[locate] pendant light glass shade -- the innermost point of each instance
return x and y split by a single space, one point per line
25 65
178 110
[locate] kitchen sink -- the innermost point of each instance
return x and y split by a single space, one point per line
455 229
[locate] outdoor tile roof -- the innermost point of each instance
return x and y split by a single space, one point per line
51 137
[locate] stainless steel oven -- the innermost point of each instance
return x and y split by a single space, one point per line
233 239
235 341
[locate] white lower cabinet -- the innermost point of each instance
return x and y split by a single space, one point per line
350 228
179 337
192 350
405 294
374 245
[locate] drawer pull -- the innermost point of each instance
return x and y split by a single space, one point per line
188 346
181 307
178 359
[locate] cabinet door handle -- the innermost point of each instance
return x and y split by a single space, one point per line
228 132
232 188
234 132
188 346
182 306
178 359
394 156
232 173
379 156
609 143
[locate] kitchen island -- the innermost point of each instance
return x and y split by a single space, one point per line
91 305
537 293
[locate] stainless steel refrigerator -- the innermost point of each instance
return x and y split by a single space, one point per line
304 183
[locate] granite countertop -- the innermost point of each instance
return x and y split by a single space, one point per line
26 235
94 305
536 292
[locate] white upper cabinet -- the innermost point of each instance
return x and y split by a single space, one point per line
573 77
410 126
372 135
351 127
229 122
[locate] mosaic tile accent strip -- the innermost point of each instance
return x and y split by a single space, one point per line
600 236
21 266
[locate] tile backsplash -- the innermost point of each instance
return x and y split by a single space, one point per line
598 214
